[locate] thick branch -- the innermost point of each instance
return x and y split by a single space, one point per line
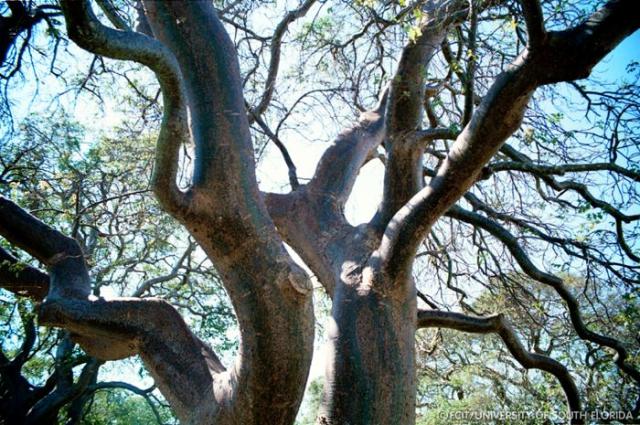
571 54
403 171
229 220
340 165
85 29
219 125
500 325
318 234
311 218
534 20
423 137
62 255
497 117
22 279
182 365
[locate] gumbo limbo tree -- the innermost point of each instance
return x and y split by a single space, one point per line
106 204
431 162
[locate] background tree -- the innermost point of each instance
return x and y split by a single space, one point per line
471 68
98 194
477 373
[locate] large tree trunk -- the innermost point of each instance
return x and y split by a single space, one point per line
370 375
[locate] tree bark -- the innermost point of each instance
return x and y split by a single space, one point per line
370 371
370 374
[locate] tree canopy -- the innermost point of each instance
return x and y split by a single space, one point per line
453 184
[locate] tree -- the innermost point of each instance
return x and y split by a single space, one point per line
365 269
475 373
99 196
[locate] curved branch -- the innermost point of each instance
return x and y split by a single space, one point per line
340 164
497 117
579 188
87 31
226 215
564 243
623 243
500 325
522 162
185 368
62 255
274 61
561 169
403 170
118 385
293 175
21 20
523 260
22 279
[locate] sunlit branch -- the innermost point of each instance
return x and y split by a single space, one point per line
340 164
403 177
497 117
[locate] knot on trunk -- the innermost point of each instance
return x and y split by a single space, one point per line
299 280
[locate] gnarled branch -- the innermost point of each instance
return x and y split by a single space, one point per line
497 117
85 29
500 325
523 260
